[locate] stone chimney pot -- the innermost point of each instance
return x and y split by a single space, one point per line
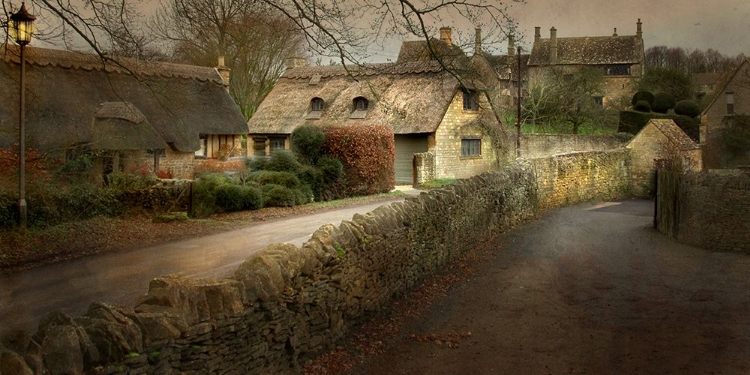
446 35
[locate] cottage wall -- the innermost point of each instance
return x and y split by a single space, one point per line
447 146
286 304
180 165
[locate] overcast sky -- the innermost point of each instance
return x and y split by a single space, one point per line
692 24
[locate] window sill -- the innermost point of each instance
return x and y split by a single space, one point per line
473 157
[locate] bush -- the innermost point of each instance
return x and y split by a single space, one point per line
663 102
307 142
256 164
642 106
283 161
687 108
278 196
230 197
367 154
286 179
204 193
643 95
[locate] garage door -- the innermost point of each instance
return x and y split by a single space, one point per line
406 146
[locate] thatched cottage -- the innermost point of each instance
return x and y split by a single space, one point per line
718 119
123 112
438 108
620 57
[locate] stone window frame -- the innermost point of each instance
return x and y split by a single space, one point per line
360 106
317 105
471 147
729 99
470 100
276 143
617 70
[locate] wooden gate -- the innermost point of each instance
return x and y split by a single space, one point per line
667 211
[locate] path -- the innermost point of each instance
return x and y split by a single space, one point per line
120 278
587 290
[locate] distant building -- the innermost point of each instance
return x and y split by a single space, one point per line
704 84
620 57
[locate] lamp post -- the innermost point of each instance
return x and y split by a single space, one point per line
518 114
22 24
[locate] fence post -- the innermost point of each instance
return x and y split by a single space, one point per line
191 199
656 199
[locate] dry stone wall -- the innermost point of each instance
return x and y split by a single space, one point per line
287 304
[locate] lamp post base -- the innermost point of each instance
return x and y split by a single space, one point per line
22 213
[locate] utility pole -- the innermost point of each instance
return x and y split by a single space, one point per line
518 114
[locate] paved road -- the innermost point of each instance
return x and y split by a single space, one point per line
589 289
120 278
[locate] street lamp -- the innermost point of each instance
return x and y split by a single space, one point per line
22 24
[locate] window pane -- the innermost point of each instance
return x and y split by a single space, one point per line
471 147
277 144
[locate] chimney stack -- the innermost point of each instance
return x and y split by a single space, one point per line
537 33
295 62
639 29
553 46
223 72
478 41
445 35
615 34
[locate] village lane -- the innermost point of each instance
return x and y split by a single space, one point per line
120 278
587 289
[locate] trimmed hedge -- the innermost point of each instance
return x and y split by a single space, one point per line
633 121
690 125
687 108
663 102
307 142
642 106
643 95
367 154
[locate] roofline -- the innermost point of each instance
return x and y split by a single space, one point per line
724 86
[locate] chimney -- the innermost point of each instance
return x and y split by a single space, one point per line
511 45
553 46
445 35
295 62
537 33
223 72
639 29
477 41
615 34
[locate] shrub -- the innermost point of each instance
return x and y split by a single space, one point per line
643 95
204 193
642 106
663 102
253 198
307 141
286 179
690 125
278 196
229 197
283 161
367 154
687 108
256 164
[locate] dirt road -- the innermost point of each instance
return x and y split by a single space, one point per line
590 289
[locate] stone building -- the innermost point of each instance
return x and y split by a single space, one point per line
438 107
620 57
123 113
729 100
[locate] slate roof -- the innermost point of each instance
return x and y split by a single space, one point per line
675 135
598 50
72 96
410 96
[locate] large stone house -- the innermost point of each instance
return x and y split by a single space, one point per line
123 113
444 115
730 99
620 57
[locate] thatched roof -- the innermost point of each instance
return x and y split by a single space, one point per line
407 98
598 50
121 126
67 95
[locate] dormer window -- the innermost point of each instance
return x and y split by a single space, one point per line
316 108
471 100
361 106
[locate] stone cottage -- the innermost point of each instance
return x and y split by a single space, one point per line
121 112
661 143
438 108
620 57
717 120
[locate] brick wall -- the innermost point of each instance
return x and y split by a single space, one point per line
711 211
181 165
286 304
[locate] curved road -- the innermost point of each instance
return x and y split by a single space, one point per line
120 278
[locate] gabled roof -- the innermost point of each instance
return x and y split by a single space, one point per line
598 50
70 95
724 83
706 78
674 134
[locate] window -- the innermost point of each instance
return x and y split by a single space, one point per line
599 100
361 105
730 102
259 146
201 152
277 143
471 147
617 70
471 100
316 108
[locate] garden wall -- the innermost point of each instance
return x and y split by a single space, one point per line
705 210
546 145
287 304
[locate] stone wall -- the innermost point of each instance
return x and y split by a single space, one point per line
425 167
546 145
711 211
180 165
286 304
